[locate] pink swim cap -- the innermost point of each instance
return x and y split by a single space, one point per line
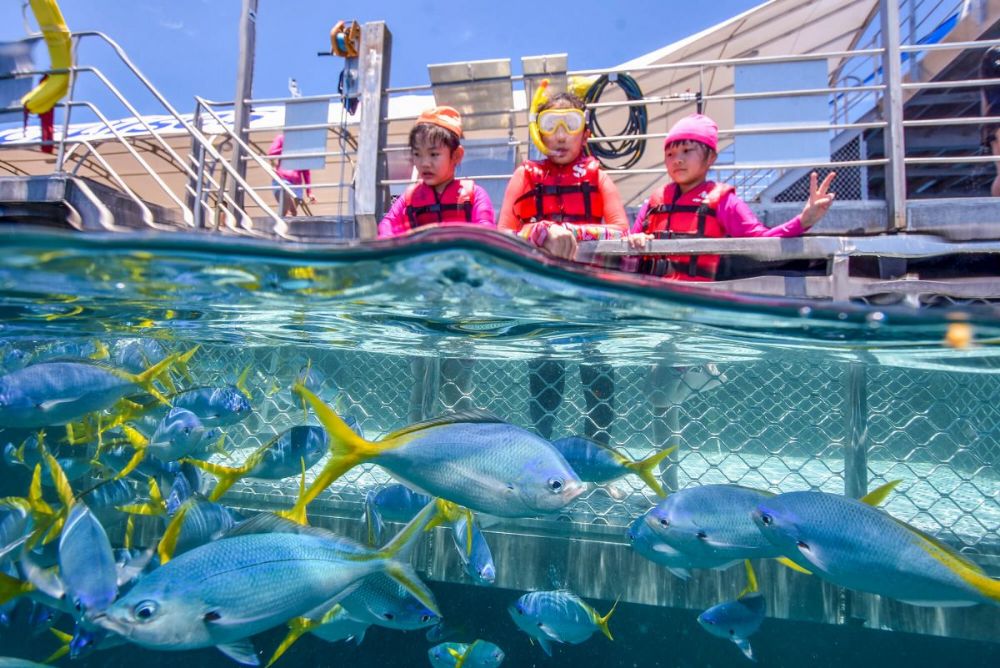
696 127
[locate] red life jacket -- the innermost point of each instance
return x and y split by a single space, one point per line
425 207
672 214
561 193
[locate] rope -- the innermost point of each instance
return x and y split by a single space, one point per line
629 150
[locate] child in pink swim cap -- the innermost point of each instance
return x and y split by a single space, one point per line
692 207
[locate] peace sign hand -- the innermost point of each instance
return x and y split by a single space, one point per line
819 201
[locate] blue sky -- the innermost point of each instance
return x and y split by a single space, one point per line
189 47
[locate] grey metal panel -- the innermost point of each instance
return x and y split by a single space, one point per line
370 199
552 67
481 91
305 112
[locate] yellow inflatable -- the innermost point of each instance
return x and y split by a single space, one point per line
57 36
540 97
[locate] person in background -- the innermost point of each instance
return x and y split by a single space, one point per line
553 204
565 198
437 198
691 206
989 68
300 180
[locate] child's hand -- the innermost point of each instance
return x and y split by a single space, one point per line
639 240
819 200
560 242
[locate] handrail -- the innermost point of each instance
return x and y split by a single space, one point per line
147 215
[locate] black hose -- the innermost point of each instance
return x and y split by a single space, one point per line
629 150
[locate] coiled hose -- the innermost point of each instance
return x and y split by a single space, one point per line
629 150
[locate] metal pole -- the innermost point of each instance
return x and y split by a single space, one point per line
61 149
856 423
244 91
892 110
369 195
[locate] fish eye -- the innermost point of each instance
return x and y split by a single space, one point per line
766 519
702 535
665 523
555 484
388 616
425 618
145 610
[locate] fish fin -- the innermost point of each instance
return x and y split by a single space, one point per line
241 651
644 468
129 571
168 542
879 494
549 632
227 475
11 588
602 622
241 382
402 544
752 586
54 403
100 351
374 524
809 555
407 578
347 450
59 479
272 523
59 653
297 628
469 416
970 572
360 637
785 561
682 573
183 360
544 644
460 657
744 646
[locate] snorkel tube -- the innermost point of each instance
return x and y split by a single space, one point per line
540 97
57 36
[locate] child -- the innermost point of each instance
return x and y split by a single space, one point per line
554 203
298 179
437 198
692 207
565 198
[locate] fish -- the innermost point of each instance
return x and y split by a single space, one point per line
28 454
736 620
478 562
284 456
57 393
711 524
179 434
215 406
222 593
134 355
472 459
669 385
394 502
559 616
12 662
600 464
649 545
15 525
478 654
851 544
87 566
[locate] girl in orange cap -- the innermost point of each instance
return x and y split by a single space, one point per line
438 198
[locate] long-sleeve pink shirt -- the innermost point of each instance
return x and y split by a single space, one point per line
396 222
295 177
737 220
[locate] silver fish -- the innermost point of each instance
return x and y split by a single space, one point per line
736 620
559 616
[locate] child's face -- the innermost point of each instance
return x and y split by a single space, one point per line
564 148
435 163
688 164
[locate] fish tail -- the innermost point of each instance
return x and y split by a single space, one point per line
347 450
11 588
644 468
406 577
460 657
227 476
374 524
146 379
744 646
183 360
64 641
878 495
156 506
402 543
168 542
59 479
297 628
752 586
241 382
785 561
602 622
140 443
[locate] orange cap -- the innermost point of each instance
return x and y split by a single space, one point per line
445 117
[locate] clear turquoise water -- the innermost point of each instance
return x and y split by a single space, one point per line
399 333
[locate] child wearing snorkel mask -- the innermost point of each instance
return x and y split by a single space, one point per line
565 198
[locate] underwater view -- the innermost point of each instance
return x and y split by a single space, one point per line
404 454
